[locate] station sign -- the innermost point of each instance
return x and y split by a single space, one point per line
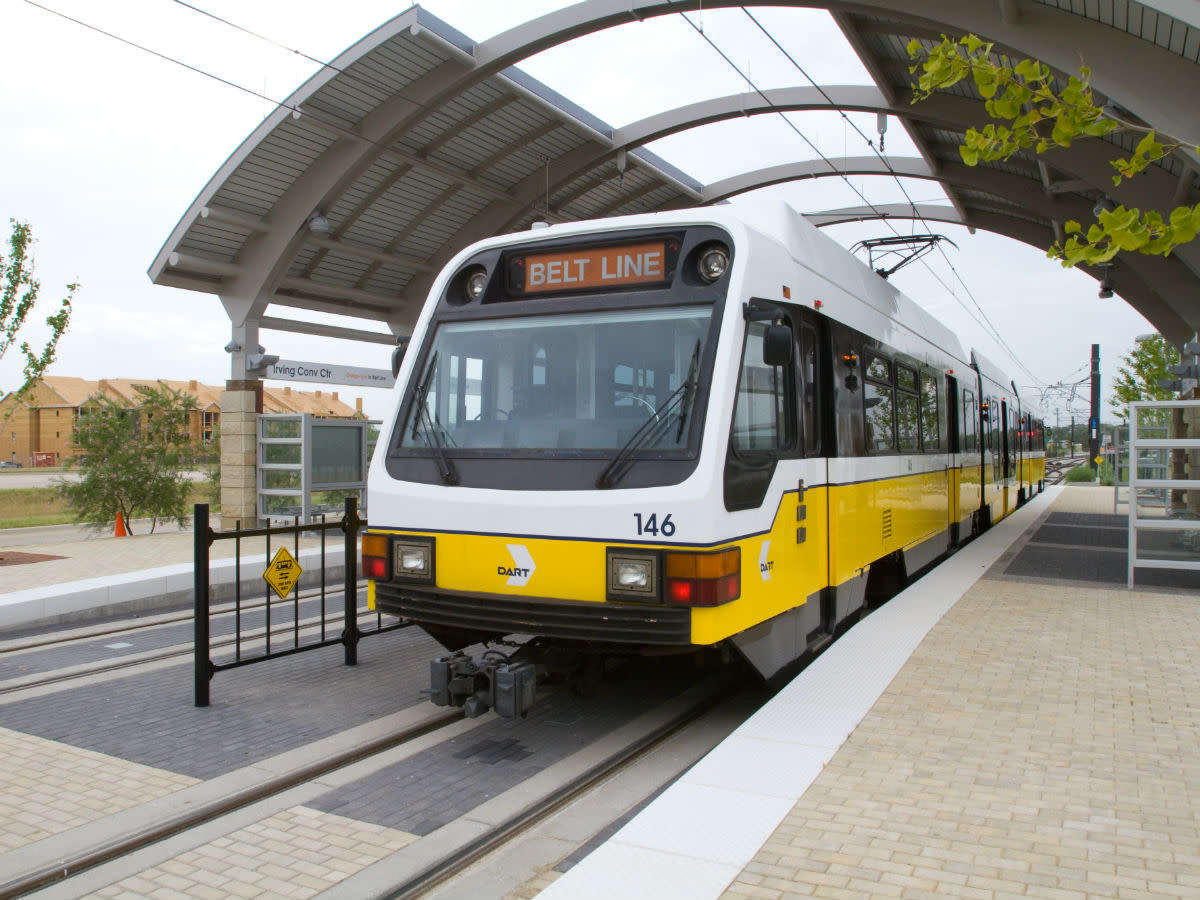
329 373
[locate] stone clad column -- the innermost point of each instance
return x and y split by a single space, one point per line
241 402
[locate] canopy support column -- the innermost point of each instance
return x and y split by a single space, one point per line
241 403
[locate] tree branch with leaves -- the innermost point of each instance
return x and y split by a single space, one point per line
134 461
18 296
1033 114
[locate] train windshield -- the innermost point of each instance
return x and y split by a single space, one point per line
584 381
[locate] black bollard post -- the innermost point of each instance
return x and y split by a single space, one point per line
202 663
350 635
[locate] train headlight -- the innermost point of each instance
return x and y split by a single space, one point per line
632 575
412 559
476 284
713 262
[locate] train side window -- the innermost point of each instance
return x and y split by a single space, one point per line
931 437
908 410
806 339
761 419
995 425
879 405
970 422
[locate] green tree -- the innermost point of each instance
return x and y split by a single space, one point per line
18 296
134 461
1138 378
1034 115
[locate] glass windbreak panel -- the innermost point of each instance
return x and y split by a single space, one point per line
280 454
908 414
327 502
1182 545
281 505
337 454
585 381
759 414
1155 423
280 428
280 480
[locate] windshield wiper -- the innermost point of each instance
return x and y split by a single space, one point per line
685 407
654 426
433 430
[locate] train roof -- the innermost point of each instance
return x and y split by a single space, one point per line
816 251
991 371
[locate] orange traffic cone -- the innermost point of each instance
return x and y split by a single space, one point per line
121 532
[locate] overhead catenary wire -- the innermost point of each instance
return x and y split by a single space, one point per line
986 324
281 104
990 327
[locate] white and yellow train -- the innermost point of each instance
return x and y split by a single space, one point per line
674 431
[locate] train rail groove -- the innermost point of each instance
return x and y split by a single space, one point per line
175 813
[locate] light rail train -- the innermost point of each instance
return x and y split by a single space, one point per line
651 434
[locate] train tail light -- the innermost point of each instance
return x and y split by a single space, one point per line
703 579
375 557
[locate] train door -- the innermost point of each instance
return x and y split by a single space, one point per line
776 489
954 458
1008 453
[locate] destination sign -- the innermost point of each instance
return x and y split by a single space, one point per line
589 268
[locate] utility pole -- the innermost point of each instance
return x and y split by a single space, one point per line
1094 421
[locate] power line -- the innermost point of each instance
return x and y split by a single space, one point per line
990 327
152 52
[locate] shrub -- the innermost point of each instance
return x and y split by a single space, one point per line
1081 474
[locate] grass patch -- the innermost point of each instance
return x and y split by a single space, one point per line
22 507
26 507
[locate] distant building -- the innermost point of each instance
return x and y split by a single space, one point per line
40 428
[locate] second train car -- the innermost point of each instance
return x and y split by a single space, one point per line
698 429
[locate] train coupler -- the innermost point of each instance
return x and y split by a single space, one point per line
482 683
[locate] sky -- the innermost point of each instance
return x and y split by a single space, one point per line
106 145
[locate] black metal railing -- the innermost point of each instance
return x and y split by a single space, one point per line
300 633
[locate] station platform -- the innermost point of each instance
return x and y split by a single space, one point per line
1016 723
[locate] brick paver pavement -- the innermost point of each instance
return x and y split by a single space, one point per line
47 787
296 853
1044 741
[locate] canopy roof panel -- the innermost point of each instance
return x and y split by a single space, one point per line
417 140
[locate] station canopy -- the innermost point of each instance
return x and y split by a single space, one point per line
416 141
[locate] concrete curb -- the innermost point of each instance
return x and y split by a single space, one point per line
149 591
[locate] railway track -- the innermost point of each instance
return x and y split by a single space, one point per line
178 624
131 844
1058 467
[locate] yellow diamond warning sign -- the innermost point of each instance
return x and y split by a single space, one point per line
283 573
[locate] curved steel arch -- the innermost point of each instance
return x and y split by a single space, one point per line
1135 73
1007 189
1087 162
1038 31
1136 275
1132 70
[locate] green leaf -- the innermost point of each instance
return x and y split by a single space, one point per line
1029 69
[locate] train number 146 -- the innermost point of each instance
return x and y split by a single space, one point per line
651 525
